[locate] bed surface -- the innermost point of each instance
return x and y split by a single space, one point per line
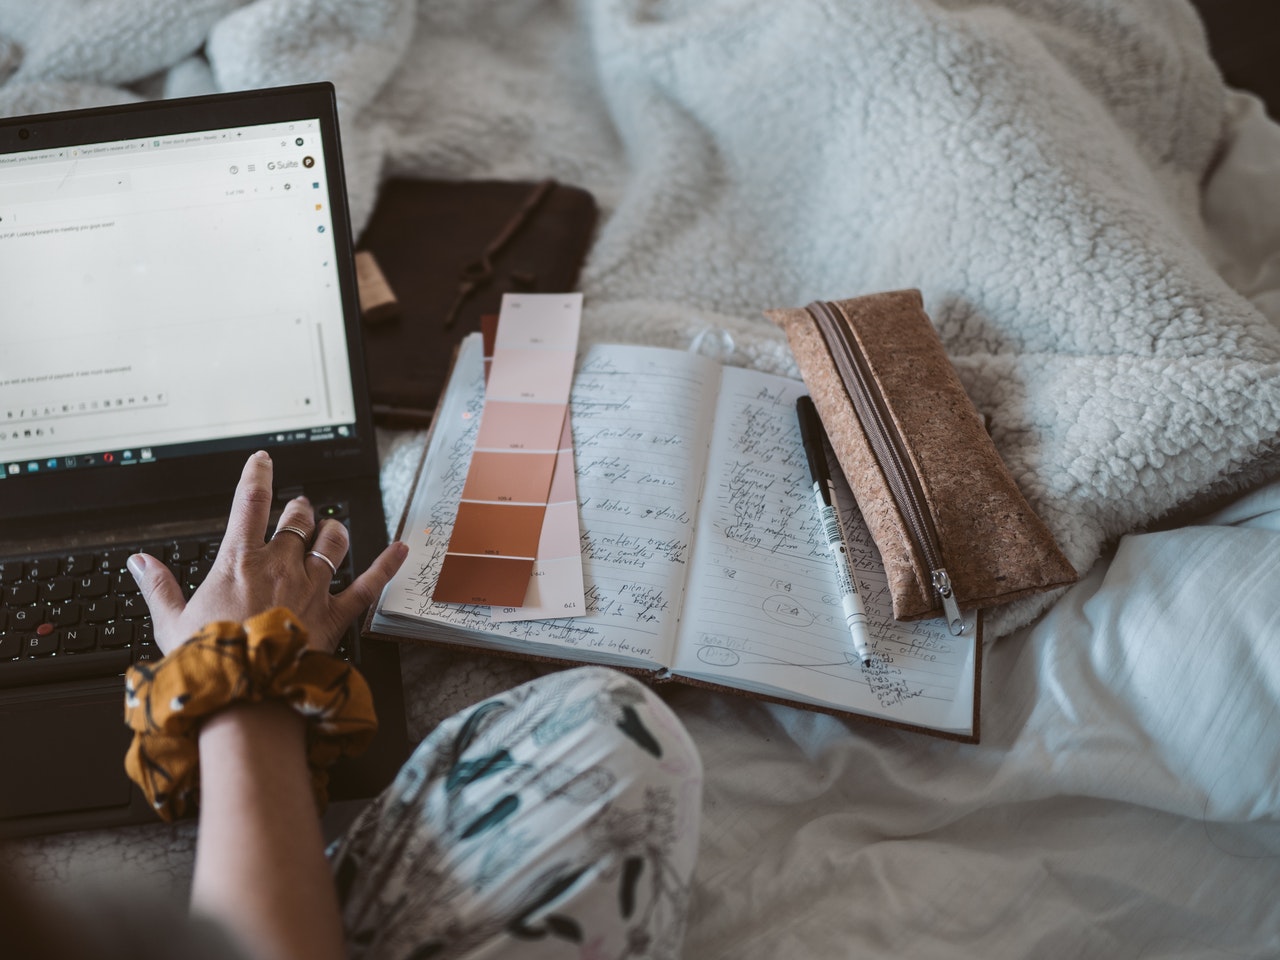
1094 220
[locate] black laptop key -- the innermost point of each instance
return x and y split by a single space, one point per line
56 590
62 614
131 606
113 561
25 619
21 594
112 635
44 568
96 611
78 564
182 551
27 671
97 584
122 583
191 575
146 653
10 646
44 644
77 639
11 570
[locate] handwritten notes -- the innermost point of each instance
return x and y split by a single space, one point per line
763 612
700 546
638 416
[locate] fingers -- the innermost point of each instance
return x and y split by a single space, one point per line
331 543
159 589
296 523
251 507
366 588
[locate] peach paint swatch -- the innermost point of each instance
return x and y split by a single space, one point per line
495 540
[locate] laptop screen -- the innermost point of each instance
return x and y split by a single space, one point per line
169 295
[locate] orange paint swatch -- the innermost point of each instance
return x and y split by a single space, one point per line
497 530
509 477
489 576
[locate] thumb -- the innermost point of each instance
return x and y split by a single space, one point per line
159 588
367 588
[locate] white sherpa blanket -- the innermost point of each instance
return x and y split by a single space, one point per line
1033 166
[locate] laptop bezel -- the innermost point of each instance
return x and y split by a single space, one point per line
212 473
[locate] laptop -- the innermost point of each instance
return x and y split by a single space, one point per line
177 290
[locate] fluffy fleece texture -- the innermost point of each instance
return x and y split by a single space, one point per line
1033 166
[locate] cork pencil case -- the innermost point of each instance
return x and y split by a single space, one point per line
952 527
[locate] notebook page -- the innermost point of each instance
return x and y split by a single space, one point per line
762 611
641 416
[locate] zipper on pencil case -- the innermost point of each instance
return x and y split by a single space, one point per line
890 451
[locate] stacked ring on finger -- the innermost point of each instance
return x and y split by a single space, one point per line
290 528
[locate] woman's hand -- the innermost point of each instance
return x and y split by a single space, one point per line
250 576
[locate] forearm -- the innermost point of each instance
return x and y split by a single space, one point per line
260 865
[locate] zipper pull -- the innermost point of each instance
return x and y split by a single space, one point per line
942 583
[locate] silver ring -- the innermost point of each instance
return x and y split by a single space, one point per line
332 565
289 528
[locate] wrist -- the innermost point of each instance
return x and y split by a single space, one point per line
249 750
251 723
253 686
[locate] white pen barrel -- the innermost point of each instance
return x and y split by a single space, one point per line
854 615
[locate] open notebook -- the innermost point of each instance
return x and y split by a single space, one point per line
701 549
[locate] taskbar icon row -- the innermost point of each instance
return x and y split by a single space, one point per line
55 464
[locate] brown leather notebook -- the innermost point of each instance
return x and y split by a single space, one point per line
449 250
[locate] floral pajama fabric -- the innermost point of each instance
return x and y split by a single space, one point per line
559 819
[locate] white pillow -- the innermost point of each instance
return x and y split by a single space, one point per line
1160 671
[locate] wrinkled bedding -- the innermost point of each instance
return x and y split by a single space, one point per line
1095 223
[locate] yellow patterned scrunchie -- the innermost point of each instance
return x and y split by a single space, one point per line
266 658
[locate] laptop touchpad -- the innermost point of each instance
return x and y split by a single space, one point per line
63 754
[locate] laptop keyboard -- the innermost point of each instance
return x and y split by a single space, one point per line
73 616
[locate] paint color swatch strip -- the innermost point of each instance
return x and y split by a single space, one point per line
496 535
